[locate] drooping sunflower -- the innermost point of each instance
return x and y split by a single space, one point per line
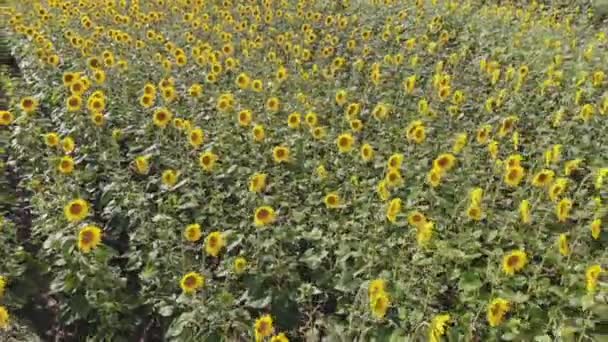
345 142
376 287
393 209
193 233
192 282
2 286
196 137
562 243
434 177
596 228
264 216
367 152
460 142
280 154
263 327
524 211
279 338
514 261
66 165
89 238
76 210
380 305
4 318
562 209
257 183
438 327
591 275
207 160
214 243
557 188
162 117
142 165
497 309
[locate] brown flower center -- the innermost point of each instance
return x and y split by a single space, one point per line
76 208
512 260
87 237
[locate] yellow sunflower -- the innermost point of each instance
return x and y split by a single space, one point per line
214 243
514 175
380 305
543 178
293 120
76 210
524 211
6 118
445 162
258 133
514 261
562 209
162 117
263 327
592 274
142 165
74 103
264 216
367 152
89 238
51 139
332 200
240 265
193 233
191 282
257 182
169 177
345 142
596 228
4 318
273 104
280 154
497 309
207 160
66 165
196 137
29 104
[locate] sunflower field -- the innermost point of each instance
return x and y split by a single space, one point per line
304 170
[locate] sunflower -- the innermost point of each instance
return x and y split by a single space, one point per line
543 178
380 112
514 261
279 338
319 132
245 117
438 327
352 110
356 125
273 104
280 154
379 305
434 176
69 78
293 120
345 142
376 287
592 274
207 160
321 172
483 134
257 86
6 118
562 243
514 175
98 119
193 233
395 161
341 97
78 87
410 84
459 143
311 118
367 152
497 309
29 104
445 162
596 228
66 165
76 210
240 265
214 243
150 89
474 212
142 166
393 178
258 133
557 188
74 103
264 216
51 139
524 211
393 209
196 137
2 286
146 101
332 200
169 177
89 238
257 182
562 209
162 116
242 81
191 282
4 318
572 166
263 327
